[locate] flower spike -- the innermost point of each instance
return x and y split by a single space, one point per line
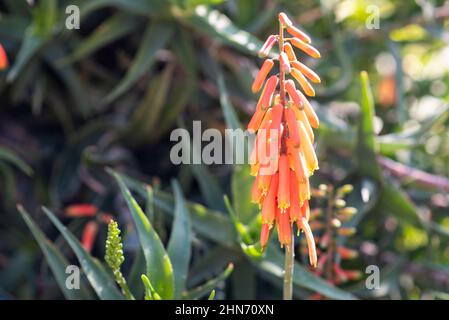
283 157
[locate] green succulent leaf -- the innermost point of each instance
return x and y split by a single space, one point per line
217 25
8 156
367 147
179 245
156 36
158 265
207 287
55 259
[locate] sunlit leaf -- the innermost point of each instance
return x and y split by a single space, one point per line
55 259
179 245
158 265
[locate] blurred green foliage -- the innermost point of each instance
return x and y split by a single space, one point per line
74 102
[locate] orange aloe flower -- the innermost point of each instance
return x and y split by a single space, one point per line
283 124
3 59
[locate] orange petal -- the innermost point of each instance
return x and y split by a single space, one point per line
307 48
295 32
295 208
346 253
285 20
267 94
284 184
256 120
284 62
289 51
297 163
81 210
264 235
3 59
307 149
293 133
284 227
309 73
269 203
305 210
304 225
262 75
89 234
305 85
269 43
264 183
310 113
292 92
302 117
256 193
304 191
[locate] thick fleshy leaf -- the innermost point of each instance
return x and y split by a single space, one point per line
140 7
155 38
107 32
241 184
207 287
217 25
395 201
55 259
179 245
8 156
99 278
367 146
158 265
211 224
30 46
232 121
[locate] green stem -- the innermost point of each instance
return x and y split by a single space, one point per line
122 283
288 269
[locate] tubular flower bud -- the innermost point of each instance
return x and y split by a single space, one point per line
310 113
304 225
285 63
305 85
293 132
305 210
256 120
307 149
264 235
289 51
305 70
307 48
267 94
283 157
346 253
269 206
89 235
284 184
3 59
262 75
284 227
295 208
269 43
284 20
292 93
295 32
298 165
301 117
81 210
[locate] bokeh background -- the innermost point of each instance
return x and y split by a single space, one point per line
107 95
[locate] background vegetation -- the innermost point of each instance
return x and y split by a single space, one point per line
75 102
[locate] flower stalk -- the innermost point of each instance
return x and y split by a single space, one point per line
114 257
